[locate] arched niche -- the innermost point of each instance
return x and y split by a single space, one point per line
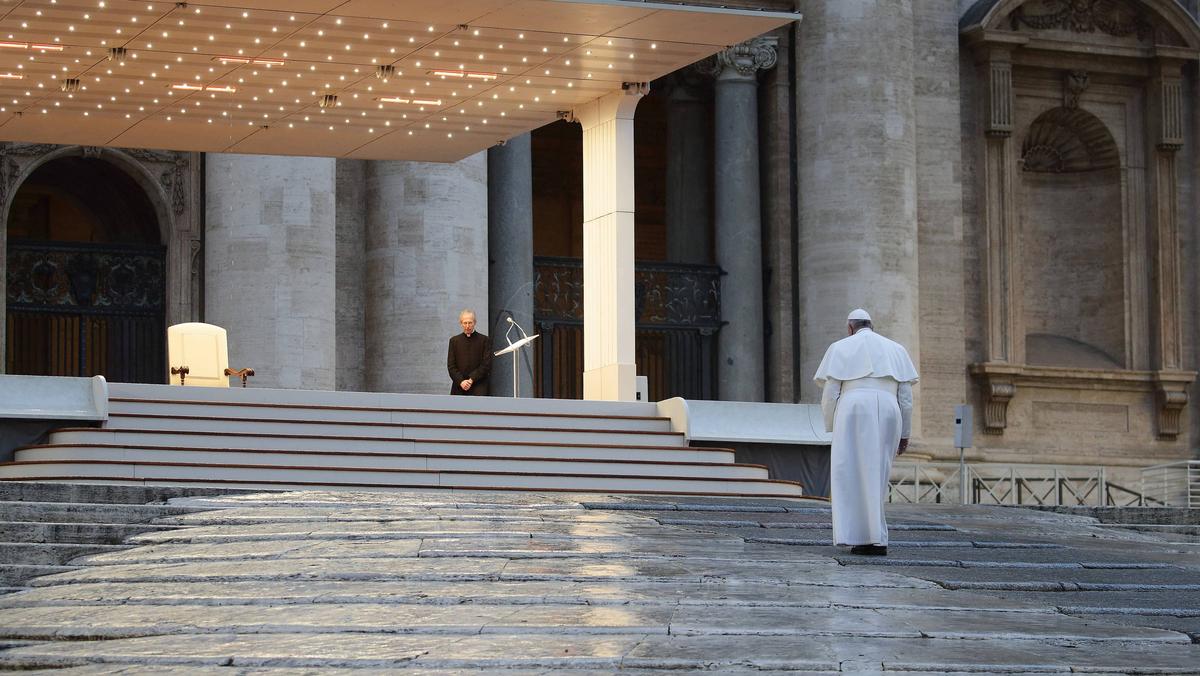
1071 228
1078 116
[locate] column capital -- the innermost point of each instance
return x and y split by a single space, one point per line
743 60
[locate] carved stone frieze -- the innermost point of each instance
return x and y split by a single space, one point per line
29 149
1111 17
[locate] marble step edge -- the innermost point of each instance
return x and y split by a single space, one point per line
687 468
566 431
267 397
720 457
190 474
86 432
379 416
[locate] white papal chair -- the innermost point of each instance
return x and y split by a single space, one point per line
198 356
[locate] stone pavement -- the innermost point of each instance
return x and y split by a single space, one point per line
316 582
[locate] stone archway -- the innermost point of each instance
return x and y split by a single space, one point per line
86 274
168 186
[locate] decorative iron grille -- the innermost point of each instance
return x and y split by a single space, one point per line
82 310
677 313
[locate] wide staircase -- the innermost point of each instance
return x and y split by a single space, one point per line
262 438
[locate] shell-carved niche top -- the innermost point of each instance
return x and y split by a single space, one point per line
1117 18
1064 140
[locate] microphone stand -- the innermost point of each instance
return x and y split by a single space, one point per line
515 349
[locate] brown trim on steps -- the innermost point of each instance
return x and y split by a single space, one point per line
425 487
383 454
388 409
390 439
392 471
440 426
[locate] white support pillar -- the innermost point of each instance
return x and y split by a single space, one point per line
608 300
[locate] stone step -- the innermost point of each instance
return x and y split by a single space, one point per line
97 493
390 461
226 427
540 653
18 574
122 409
119 393
47 553
118 622
87 512
78 533
613 448
259 476
1165 529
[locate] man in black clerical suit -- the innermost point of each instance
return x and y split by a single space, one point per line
470 358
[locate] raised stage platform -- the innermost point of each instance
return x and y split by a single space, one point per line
265 438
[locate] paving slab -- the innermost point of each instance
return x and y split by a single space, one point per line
321 582
736 594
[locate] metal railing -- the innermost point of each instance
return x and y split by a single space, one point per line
1173 484
1043 485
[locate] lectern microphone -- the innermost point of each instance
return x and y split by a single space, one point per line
514 348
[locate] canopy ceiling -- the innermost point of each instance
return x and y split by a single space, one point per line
251 76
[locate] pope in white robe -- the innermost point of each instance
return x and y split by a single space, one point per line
866 398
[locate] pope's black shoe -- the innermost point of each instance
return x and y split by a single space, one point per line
869 550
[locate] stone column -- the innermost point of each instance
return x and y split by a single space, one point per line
608 298
351 274
779 221
857 174
426 247
738 218
269 266
510 257
689 166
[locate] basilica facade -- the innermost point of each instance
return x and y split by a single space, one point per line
1008 186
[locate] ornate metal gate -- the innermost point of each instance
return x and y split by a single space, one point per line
677 314
83 310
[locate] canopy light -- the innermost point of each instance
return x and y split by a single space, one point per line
243 60
487 77
203 88
29 45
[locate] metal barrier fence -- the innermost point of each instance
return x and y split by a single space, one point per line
1173 484
1046 485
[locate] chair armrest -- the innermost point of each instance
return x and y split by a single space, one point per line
244 373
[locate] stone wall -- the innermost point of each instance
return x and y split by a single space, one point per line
426 259
269 266
351 274
939 157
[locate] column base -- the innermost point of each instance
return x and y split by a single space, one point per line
614 382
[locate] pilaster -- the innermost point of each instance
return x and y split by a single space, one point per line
609 368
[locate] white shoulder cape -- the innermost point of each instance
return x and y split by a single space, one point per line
866 354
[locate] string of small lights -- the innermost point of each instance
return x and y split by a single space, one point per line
193 76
